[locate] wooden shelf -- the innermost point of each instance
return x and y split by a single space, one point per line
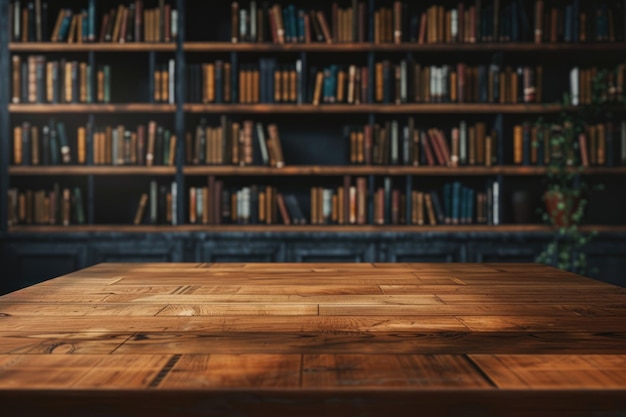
91 108
421 108
188 228
294 170
312 47
87 47
404 47
91 170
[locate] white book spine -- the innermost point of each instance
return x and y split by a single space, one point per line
172 81
403 81
463 143
174 204
573 81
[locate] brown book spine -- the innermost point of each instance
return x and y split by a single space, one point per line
480 143
582 143
83 82
317 95
227 82
353 203
274 139
17 78
518 143
18 153
66 207
284 78
82 145
430 210
278 86
192 205
34 142
538 21
141 208
283 209
324 26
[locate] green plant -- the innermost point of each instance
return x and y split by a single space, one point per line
566 194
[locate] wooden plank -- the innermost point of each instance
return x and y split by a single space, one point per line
504 309
272 299
231 323
235 371
554 371
390 371
538 323
235 309
53 311
402 342
91 342
79 371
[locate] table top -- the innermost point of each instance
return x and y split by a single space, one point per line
304 339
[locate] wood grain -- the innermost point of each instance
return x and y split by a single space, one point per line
278 339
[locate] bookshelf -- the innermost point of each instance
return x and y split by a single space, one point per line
307 131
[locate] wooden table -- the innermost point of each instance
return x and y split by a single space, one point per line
314 340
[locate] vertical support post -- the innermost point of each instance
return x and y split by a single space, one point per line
180 112
91 125
5 130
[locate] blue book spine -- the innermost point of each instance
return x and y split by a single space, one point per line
540 148
85 25
470 208
293 23
65 27
263 76
334 70
568 35
234 82
515 35
456 202
447 202
54 144
327 86
26 144
286 24
301 30
271 68
575 21
91 31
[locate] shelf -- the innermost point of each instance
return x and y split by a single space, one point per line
187 228
297 170
292 170
87 47
421 108
91 108
312 47
404 47
91 170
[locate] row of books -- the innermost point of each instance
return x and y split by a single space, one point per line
47 145
163 82
28 22
150 146
270 82
158 205
36 81
602 144
235 143
352 203
464 22
112 145
56 206
606 83
393 144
